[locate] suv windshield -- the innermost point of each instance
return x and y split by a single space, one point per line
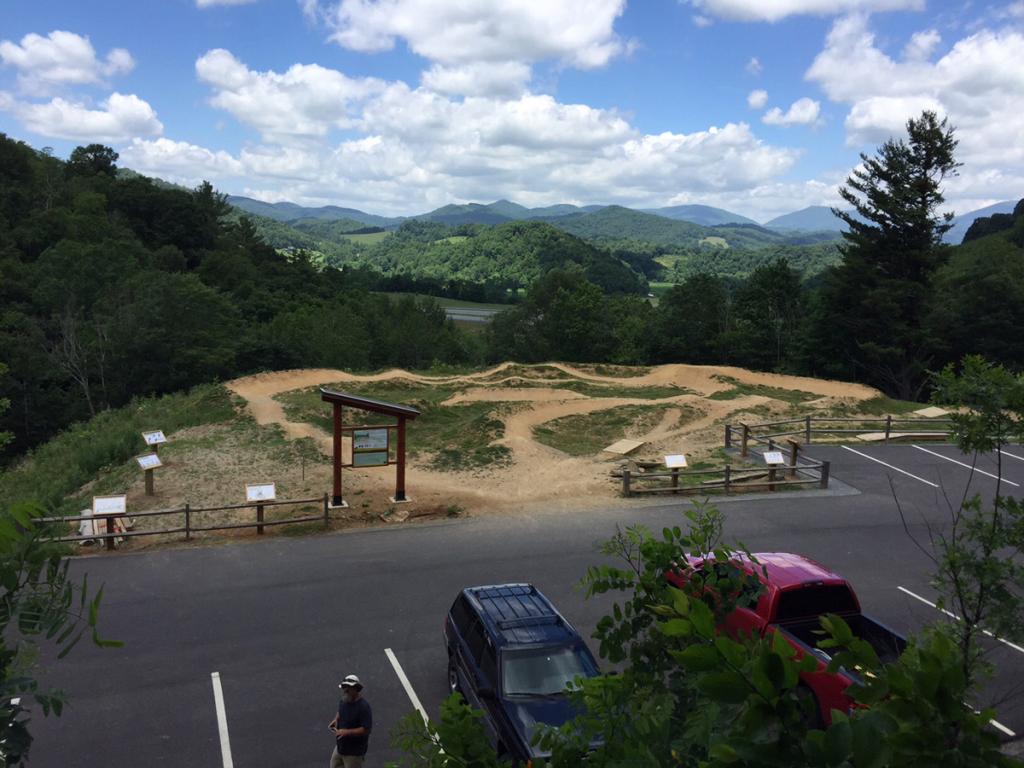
543 671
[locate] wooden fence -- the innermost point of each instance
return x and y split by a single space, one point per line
809 426
729 479
189 517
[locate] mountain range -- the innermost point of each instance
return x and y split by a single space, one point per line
666 225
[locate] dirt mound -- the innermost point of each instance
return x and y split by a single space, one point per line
539 474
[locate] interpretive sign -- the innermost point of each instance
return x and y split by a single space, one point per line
773 457
149 461
675 461
109 505
369 440
261 492
154 437
370 459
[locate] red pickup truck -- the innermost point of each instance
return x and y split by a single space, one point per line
796 592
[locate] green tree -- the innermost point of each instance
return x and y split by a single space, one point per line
92 160
691 320
40 604
872 314
767 311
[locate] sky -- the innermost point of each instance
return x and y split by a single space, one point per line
397 107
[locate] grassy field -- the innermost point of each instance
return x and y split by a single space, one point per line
453 303
721 242
367 239
791 396
589 433
455 438
593 389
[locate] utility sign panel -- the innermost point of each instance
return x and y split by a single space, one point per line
109 505
261 492
369 440
154 437
773 457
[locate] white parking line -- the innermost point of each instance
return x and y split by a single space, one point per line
890 466
222 721
954 616
999 726
1011 455
406 684
968 466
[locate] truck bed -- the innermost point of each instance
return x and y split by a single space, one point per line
886 643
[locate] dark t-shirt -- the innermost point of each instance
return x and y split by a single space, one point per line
354 714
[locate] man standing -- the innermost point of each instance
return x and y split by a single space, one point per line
351 726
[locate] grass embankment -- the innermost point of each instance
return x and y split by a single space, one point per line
453 438
738 389
589 433
56 470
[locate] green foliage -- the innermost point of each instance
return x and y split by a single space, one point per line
457 740
39 606
587 434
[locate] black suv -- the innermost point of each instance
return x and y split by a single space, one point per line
512 655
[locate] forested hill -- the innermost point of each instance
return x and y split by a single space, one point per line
113 288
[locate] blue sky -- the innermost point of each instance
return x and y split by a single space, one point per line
399 106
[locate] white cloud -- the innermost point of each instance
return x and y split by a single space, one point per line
776 10
211 3
178 161
921 45
61 58
702 21
757 99
754 66
801 112
305 101
120 118
503 79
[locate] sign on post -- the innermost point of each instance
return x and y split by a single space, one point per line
149 461
773 457
154 437
109 505
675 461
260 492
370 447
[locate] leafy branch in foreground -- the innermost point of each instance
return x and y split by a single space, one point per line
40 603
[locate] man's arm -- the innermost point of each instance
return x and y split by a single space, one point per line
360 731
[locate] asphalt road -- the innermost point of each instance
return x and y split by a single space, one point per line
284 619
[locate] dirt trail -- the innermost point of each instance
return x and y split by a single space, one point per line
539 473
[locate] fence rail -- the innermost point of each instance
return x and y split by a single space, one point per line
731 479
808 430
189 528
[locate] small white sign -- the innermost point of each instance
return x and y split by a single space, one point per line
261 492
149 461
109 505
154 437
370 440
773 457
675 461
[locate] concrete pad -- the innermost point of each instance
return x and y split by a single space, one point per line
624 447
932 412
877 437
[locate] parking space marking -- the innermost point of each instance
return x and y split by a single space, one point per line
406 684
954 616
968 466
1011 455
222 721
999 726
890 466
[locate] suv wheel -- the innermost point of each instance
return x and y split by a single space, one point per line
453 677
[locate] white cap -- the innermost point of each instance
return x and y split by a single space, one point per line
351 682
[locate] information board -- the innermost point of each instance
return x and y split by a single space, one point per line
261 491
109 505
149 461
370 459
773 457
675 460
154 437
369 440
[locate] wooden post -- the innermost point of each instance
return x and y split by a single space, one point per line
807 432
110 532
259 519
149 482
771 444
771 478
794 451
327 512
825 466
888 427
188 522
337 455
675 480
625 483
728 471
746 439
728 436
400 468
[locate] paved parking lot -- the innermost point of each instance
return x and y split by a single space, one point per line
281 621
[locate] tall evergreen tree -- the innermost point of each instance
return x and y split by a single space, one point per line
873 303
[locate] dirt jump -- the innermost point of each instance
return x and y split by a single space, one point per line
689 419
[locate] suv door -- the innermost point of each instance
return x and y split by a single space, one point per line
467 657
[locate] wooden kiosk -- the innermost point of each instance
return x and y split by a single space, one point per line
371 444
